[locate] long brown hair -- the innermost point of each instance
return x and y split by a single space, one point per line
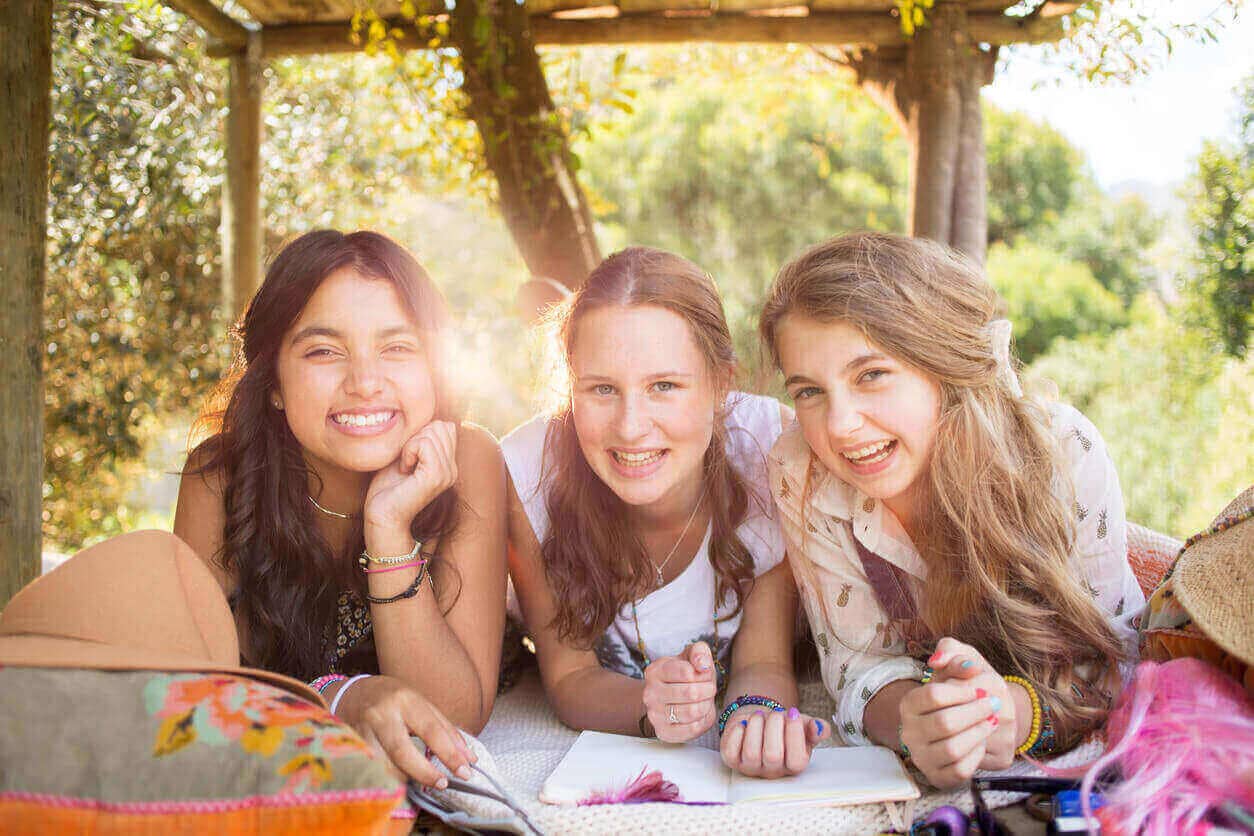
287 580
594 562
996 535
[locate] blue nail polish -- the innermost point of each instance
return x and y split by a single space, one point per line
778 708
818 724
744 722
995 702
966 664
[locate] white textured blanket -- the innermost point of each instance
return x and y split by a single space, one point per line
524 742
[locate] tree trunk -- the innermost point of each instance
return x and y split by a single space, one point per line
25 81
932 87
524 141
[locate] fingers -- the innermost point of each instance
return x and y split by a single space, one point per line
816 731
697 693
955 660
936 696
675 669
393 738
960 771
956 719
796 747
768 744
700 657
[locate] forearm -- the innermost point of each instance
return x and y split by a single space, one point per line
883 713
416 645
599 700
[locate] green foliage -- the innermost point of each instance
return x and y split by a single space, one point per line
129 318
1114 238
1033 174
1221 211
1048 297
1174 415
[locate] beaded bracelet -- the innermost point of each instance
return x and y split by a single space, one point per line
366 558
741 702
902 748
409 591
323 682
1034 733
1045 743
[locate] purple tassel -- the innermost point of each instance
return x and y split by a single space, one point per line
645 788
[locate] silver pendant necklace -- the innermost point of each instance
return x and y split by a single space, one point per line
658 567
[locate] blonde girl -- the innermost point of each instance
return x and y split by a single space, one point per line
961 549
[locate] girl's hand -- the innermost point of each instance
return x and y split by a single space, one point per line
679 694
770 744
947 727
386 713
425 468
955 661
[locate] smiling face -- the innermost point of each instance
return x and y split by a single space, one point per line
869 417
355 381
644 401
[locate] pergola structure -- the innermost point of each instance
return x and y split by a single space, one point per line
930 81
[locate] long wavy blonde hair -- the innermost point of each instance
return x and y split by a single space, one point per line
998 533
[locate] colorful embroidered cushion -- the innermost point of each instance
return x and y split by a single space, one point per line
85 751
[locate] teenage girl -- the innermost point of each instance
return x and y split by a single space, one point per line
644 538
961 549
357 528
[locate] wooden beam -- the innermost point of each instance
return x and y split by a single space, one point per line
843 28
25 82
230 33
241 210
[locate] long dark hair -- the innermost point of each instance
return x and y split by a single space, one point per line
287 578
593 560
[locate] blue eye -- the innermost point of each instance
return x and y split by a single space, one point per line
872 375
807 392
664 386
603 389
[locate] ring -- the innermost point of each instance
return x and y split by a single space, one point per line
672 716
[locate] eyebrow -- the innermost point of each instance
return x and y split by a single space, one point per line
323 331
659 376
860 360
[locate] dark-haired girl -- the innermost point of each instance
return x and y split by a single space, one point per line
356 527
645 555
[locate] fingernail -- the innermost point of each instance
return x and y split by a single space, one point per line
992 718
464 773
428 753
980 693
793 713
818 724
966 664
777 708
934 658
744 722
441 783
995 703
759 713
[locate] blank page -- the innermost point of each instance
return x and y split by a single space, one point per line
600 762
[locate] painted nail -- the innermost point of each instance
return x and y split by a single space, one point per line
759 713
966 663
995 703
793 713
818 724
777 708
464 773
934 658
980 693
992 718
744 722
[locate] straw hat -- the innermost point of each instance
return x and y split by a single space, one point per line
141 601
1214 579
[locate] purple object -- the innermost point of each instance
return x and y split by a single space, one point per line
948 821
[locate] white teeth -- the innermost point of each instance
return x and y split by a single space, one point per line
870 454
637 459
358 420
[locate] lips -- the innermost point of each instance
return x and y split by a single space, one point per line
637 464
871 453
364 422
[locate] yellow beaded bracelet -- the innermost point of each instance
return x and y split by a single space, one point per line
1034 733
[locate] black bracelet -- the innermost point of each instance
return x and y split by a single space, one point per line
408 592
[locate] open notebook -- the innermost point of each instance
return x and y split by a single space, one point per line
836 776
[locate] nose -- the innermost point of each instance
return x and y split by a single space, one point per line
844 418
633 420
364 379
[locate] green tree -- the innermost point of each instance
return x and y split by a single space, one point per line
1049 297
1221 211
1033 174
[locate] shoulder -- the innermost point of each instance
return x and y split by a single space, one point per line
1077 436
477 445
790 455
525 442
202 479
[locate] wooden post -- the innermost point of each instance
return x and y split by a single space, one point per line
524 142
933 87
241 210
25 82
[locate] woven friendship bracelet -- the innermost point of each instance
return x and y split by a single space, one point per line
323 682
409 591
741 702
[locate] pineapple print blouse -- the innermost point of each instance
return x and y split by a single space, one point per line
860 649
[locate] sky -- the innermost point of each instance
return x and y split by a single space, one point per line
1148 132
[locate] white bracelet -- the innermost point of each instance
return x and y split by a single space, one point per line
339 695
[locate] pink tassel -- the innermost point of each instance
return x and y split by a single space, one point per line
645 788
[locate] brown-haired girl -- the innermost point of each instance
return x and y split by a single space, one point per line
644 539
961 550
357 529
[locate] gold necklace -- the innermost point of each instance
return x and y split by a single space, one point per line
661 580
331 513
